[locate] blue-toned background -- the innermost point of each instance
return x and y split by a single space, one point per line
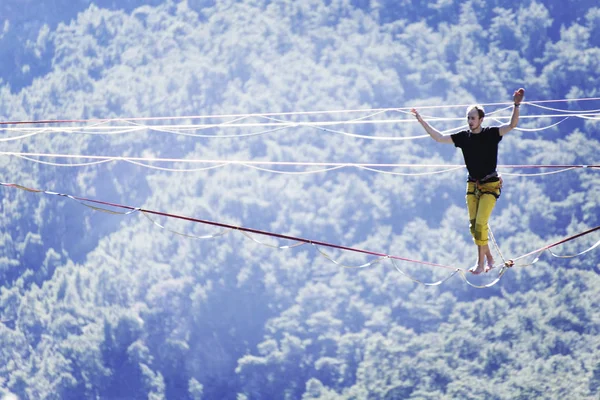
97 306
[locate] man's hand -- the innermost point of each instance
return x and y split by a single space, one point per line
518 95
435 134
514 119
416 114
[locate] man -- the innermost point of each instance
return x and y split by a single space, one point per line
480 151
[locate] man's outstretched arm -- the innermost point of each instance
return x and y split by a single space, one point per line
434 133
514 119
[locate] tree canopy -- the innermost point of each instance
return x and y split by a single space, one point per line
102 306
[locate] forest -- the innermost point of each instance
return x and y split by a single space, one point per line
101 306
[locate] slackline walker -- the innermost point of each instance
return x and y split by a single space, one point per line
479 146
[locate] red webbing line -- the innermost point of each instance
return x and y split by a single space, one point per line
567 239
239 228
288 237
549 166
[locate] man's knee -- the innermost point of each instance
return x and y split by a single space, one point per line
480 234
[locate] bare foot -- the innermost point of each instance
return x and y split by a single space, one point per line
476 269
490 263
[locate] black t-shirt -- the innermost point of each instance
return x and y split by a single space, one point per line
480 150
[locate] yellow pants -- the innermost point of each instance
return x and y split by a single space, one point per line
481 199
